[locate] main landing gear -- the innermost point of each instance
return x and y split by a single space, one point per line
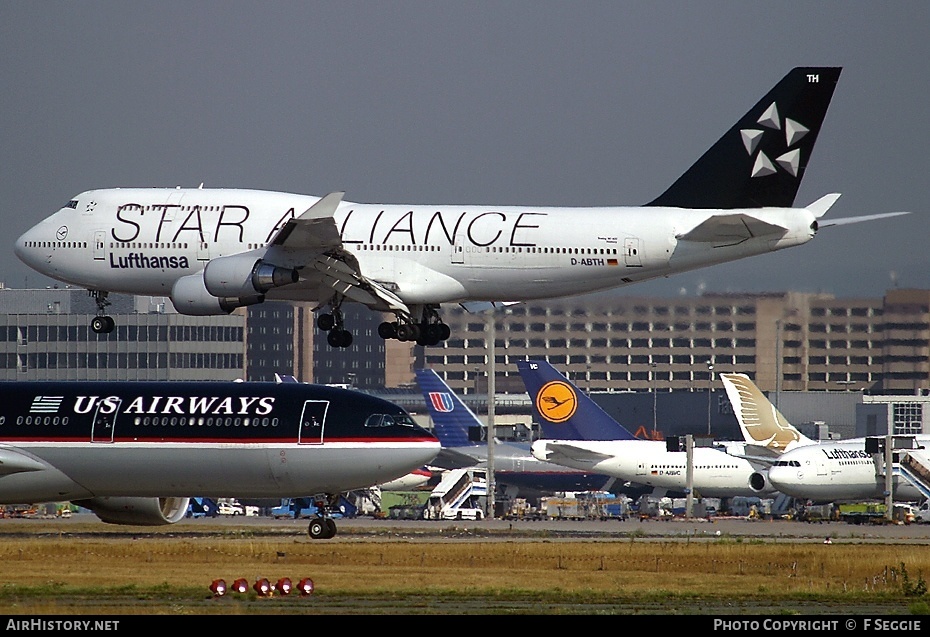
101 324
430 330
338 335
323 527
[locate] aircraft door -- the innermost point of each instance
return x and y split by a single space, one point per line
458 249
100 245
631 253
104 426
312 422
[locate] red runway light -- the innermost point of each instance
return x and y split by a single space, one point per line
240 585
283 586
262 586
218 587
305 586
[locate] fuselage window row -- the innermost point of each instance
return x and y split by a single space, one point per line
377 247
38 420
209 421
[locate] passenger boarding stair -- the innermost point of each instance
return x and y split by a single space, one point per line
914 466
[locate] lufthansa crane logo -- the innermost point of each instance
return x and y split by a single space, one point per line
556 401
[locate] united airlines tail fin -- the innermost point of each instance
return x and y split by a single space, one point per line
562 410
761 160
452 419
759 420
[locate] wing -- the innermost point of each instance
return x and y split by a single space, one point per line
311 243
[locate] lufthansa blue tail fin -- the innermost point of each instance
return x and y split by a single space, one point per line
562 410
452 419
761 160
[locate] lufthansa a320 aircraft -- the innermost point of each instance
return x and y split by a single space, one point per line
134 452
213 250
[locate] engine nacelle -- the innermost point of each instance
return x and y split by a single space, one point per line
759 482
190 296
244 275
137 511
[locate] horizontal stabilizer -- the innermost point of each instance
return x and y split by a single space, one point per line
556 451
730 229
820 207
825 223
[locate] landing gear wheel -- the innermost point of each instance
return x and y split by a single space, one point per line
318 529
330 527
325 322
444 331
102 324
387 330
405 332
339 337
345 338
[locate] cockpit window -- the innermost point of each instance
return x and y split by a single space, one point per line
72 204
389 420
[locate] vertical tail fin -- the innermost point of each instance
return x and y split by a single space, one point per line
451 417
761 160
562 410
761 423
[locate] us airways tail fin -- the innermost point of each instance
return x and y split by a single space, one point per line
761 423
562 410
761 160
452 419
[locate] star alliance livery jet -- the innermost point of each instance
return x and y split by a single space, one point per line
214 250
135 452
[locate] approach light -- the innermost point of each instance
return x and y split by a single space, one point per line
241 585
305 586
218 587
262 586
283 586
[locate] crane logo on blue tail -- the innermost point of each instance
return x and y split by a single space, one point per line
441 402
556 401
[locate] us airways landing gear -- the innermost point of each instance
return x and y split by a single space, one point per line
429 331
338 335
101 324
323 527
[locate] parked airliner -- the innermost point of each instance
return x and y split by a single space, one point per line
578 433
818 471
516 470
214 250
135 452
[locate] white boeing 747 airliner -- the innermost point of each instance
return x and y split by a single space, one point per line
214 250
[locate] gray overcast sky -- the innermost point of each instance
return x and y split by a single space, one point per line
516 102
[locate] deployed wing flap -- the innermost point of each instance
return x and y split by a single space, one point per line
730 229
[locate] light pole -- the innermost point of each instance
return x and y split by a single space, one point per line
654 400
710 388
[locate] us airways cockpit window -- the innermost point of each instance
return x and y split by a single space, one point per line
72 204
389 420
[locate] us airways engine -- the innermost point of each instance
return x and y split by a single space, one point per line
189 296
137 511
245 275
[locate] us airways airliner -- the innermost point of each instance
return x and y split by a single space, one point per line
578 433
214 250
134 452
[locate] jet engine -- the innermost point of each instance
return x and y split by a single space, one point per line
189 296
244 275
759 482
137 511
